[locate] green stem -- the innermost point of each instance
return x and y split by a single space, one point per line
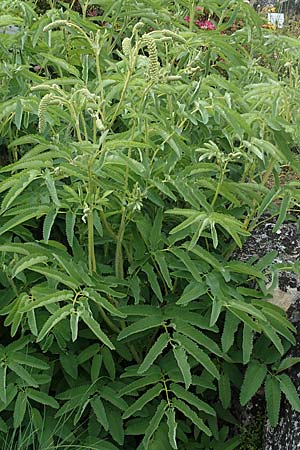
94 131
107 320
91 243
91 240
268 171
119 269
217 191
99 76
131 347
84 127
128 76
134 353
265 178
84 9
166 392
192 15
249 218
120 274
76 121
121 98
107 226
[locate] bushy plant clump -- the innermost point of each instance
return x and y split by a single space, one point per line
137 147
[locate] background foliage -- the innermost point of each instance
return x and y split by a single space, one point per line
137 150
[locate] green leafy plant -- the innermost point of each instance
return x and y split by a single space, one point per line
139 150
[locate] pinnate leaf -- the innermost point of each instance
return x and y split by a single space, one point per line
29 360
190 414
192 399
70 224
198 354
57 276
230 327
22 373
42 398
20 409
163 266
140 383
48 223
30 213
273 336
154 423
193 291
197 336
100 300
43 300
25 179
143 400
172 427
224 390
286 363
3 370
96 367
247 343
95 328
273 397
254 377
28 261
99 410
289 390
53 320
115 425
109 362
152 278
146 323
156 349
183 364
74 322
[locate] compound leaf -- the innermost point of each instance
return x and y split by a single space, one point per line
273 397
289 390
183 364
143 400
190 414
154 423
254 377
156 349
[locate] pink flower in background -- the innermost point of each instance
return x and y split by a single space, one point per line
92 12
201 24
210 25
199 8
205 24
187 19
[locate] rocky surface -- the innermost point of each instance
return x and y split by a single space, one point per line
10 29
286 242
286 436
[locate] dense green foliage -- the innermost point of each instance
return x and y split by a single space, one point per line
136 151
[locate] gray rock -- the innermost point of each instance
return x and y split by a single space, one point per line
286 436
286 242
10 29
